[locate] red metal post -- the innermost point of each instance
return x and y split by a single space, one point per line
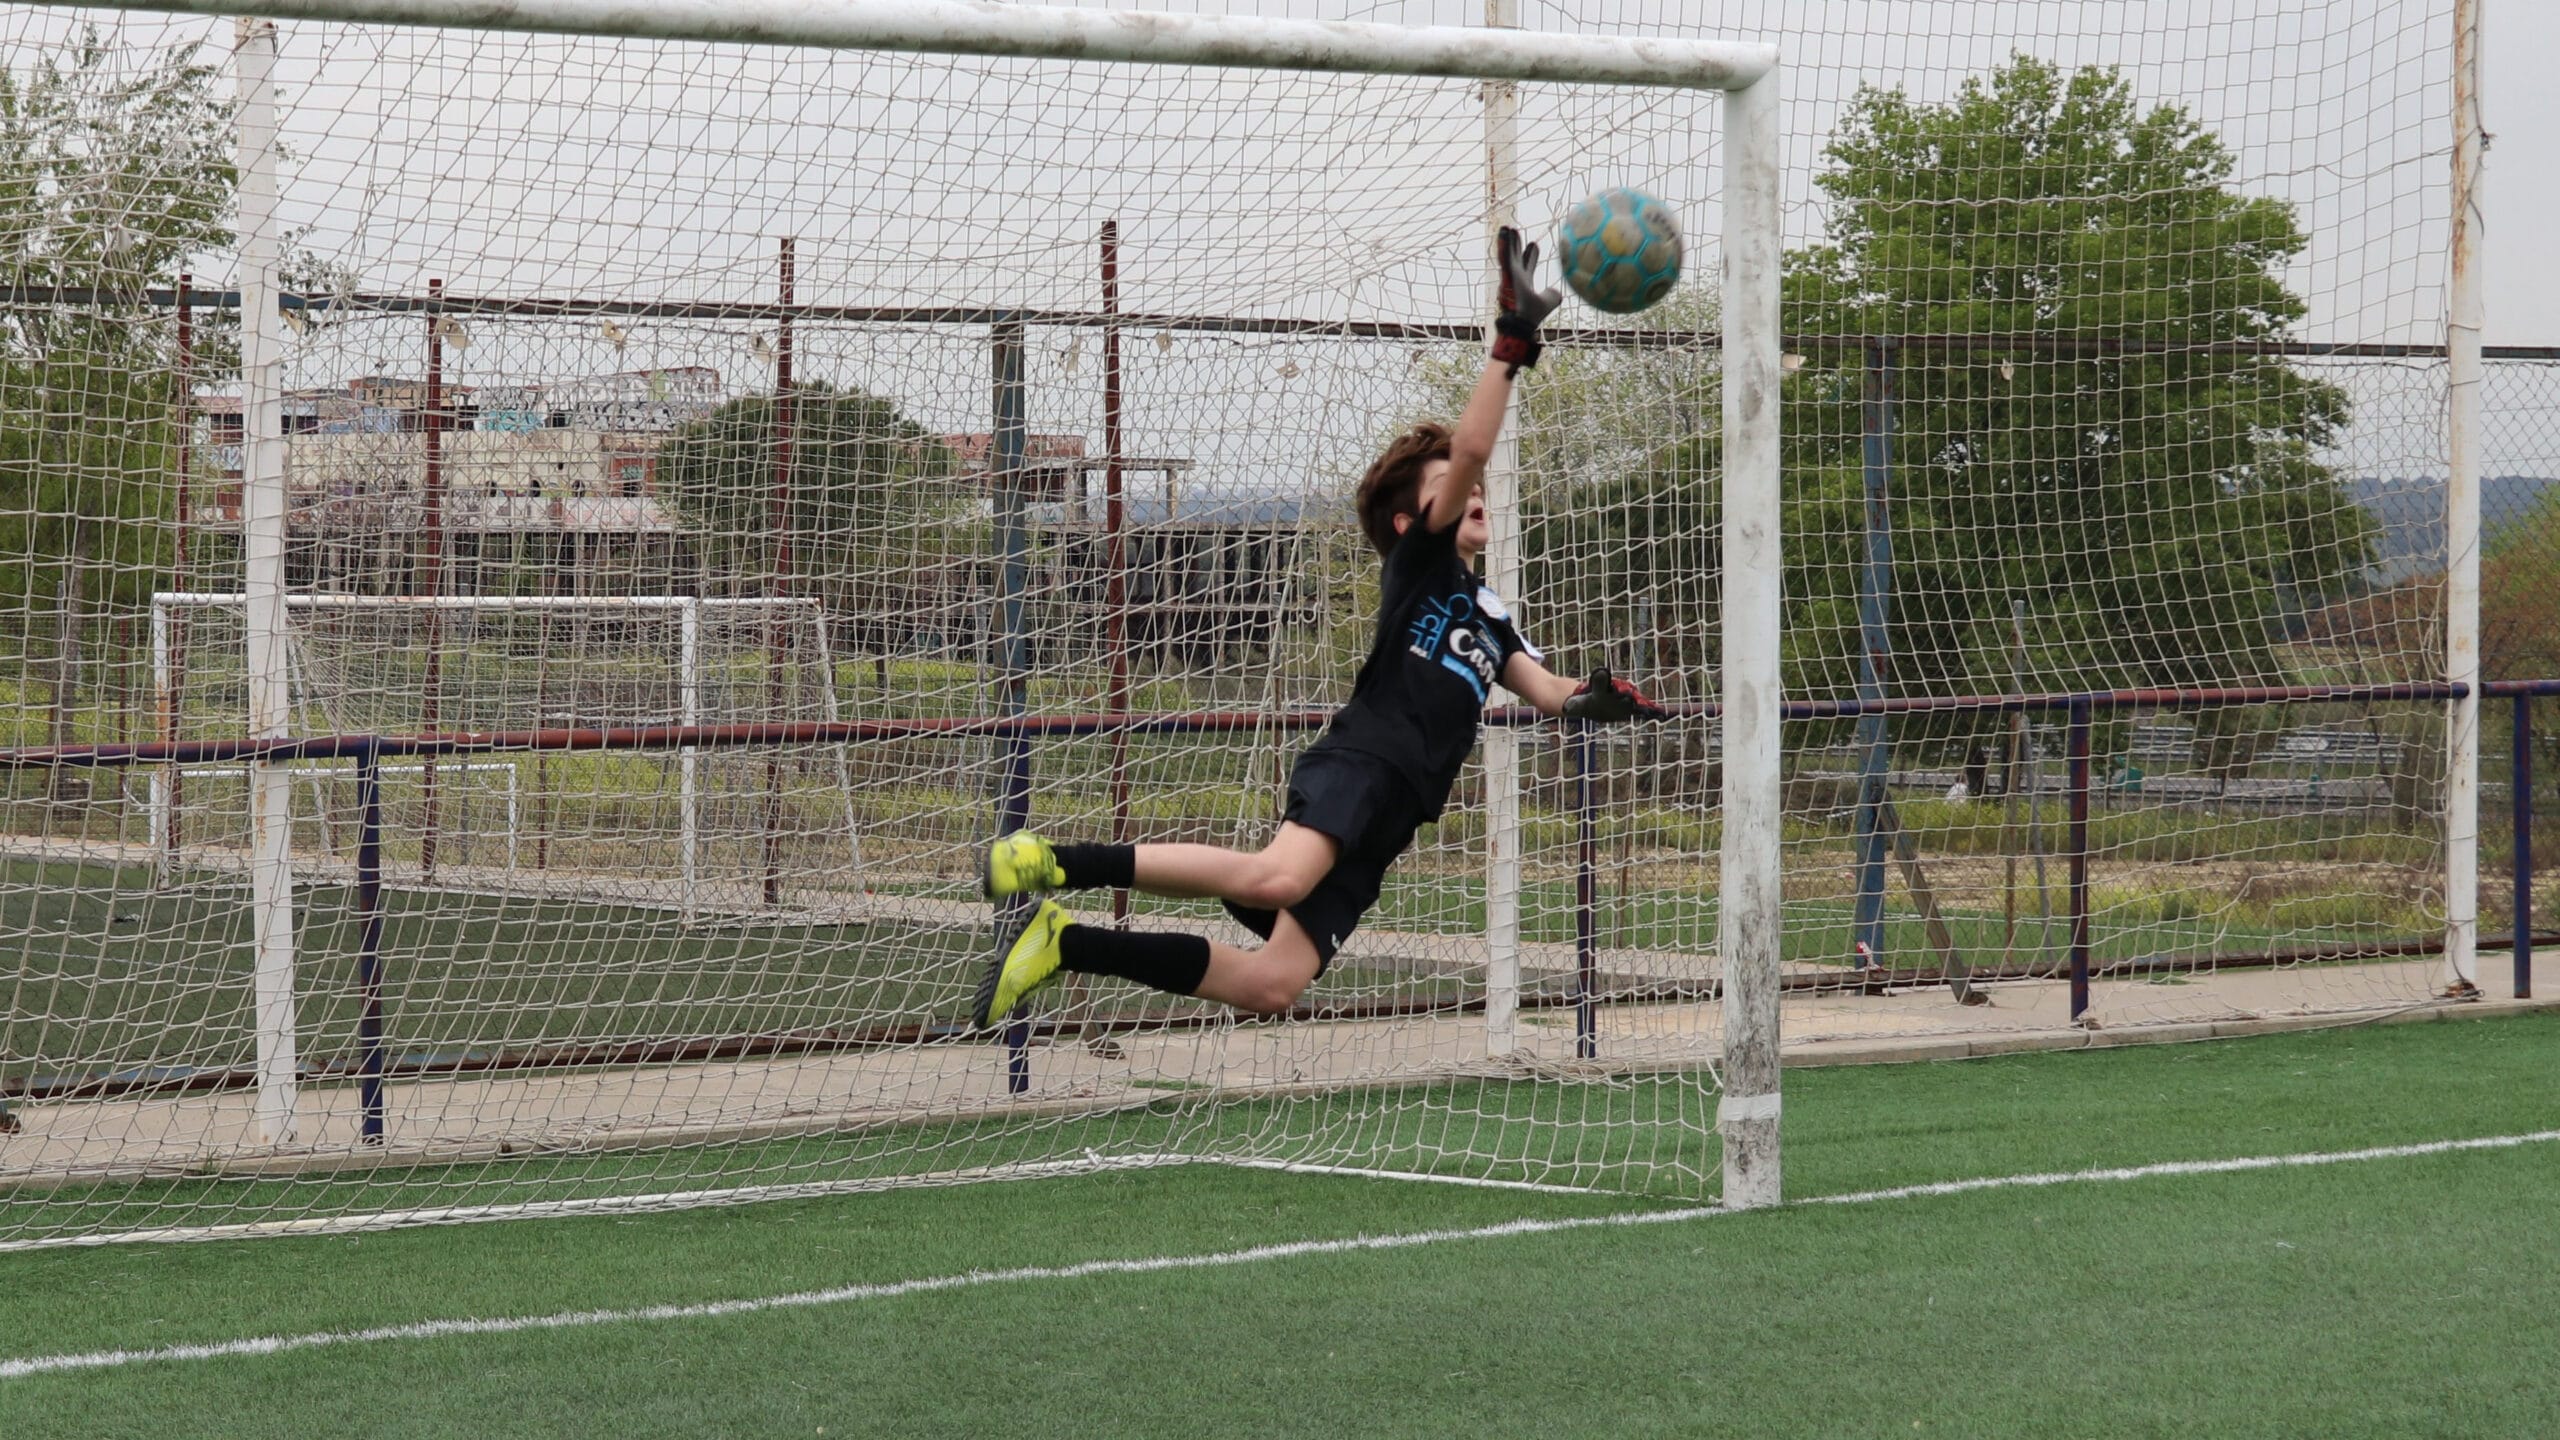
2076 752
778 581
173 693
430 579
1115 560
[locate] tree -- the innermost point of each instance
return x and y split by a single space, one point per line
871 494
2084 429
114 170
2520 640
2520 593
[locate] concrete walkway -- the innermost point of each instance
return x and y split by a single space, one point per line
585 1110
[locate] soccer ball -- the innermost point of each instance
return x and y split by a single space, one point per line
1620 250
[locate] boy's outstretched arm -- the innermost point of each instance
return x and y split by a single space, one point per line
1545 690
1603 697
1524 306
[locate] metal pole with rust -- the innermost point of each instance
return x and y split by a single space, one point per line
430 582
779 519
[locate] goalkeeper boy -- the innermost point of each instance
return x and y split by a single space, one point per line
1382 768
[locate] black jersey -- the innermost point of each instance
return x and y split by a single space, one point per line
1443 638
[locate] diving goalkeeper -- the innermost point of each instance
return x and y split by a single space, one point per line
1381 769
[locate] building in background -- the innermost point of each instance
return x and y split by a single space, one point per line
542 489
1217 580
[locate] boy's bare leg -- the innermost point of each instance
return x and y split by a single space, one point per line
1266 981
1278 875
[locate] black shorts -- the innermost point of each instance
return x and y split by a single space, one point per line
1366 807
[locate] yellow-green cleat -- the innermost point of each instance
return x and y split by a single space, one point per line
1027 964
1020 864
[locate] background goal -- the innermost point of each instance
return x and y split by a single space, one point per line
688 828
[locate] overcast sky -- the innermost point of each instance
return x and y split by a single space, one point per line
2305 93
2523 195
515 165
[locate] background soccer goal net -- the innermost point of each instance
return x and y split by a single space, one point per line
536 562
692 827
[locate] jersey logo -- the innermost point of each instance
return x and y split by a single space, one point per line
1441 633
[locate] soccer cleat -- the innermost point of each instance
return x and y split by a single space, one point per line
1028 963
1020 864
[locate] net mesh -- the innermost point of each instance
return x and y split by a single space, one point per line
2096 384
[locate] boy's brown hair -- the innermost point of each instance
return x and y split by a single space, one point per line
1393 485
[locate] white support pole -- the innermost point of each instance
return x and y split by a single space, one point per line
2466 316
1502 571
833 710
262 510
689 759
1058 32
164 856
1748 924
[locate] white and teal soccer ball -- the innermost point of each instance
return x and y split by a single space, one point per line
1620 250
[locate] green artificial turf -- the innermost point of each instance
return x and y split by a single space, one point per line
2383 1297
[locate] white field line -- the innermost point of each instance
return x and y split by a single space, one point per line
645 1204
847 1294
1299 1167
656 1202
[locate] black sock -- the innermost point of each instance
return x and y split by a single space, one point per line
1098 867
1175 964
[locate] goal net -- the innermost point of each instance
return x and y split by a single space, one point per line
538 562
587 539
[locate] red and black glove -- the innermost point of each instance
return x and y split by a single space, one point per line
1524 306
1604 697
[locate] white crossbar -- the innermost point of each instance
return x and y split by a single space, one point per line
1057 33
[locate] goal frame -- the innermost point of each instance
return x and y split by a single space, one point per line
1747 74
168 609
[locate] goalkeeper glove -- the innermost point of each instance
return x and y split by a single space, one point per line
1605 697
1523 304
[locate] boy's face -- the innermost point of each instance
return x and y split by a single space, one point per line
1474 530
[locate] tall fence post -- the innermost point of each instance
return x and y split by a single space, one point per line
2520 803
263 506
689 759
782 510
1586 901
1875 650
1005 448
2077 751
169 644
369 1041
1115 550
430 578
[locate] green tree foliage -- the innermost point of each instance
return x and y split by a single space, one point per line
2520 640
2151 495
2156 503
873 496
2520 593
114 170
